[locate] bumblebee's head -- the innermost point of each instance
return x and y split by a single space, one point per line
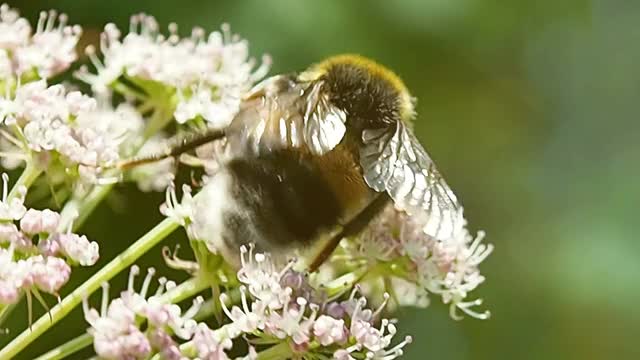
369 93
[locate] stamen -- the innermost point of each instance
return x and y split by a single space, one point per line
195 307
382 306
466 308
104 305
170 285
243 292
90 51
5 187
135 270
41 22
197 34
223 302
133 23
162 282
147 282
51 20
62 21
226 33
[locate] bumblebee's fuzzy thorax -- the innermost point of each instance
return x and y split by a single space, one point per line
365 90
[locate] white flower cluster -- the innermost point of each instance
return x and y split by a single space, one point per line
117 333
423 264
35 255
66 128
275 311
277 307
48 51
208 73
116 328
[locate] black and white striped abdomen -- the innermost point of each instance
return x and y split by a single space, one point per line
278 200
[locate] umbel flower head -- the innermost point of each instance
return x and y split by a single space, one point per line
418 264
34 254
43 53
116 328
61 127
208 73
279 305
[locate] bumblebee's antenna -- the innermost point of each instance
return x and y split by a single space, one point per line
185 144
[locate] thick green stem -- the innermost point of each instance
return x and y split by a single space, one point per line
185 290
28 176
345 282
68 348
5 311
277 352
121 262
83 207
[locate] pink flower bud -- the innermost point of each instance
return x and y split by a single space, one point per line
50 273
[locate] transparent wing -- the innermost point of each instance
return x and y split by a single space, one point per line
282 112
393 160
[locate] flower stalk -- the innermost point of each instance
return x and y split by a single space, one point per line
26 179
58 312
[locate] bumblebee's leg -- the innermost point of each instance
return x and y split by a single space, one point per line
185 144
352 228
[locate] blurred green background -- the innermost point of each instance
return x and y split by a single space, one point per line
530 110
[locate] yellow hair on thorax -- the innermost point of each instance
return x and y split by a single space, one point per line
376 70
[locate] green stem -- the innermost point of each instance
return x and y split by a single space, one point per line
68 348
28 176
346 281
121 262
183 291
5 311
83 207
277 352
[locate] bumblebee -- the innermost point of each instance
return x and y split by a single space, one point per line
314 157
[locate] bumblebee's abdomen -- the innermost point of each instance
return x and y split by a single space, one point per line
280 201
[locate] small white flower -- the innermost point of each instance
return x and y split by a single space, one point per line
49 273
9 233
51 50
262 278
210 345
448 267
180 211
329 330
9 285
245 319
292 322
6 67
12 209
117 334
210 73
78 248
14 30
218 113
39 221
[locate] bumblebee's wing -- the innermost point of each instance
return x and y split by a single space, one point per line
393 160
282 112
